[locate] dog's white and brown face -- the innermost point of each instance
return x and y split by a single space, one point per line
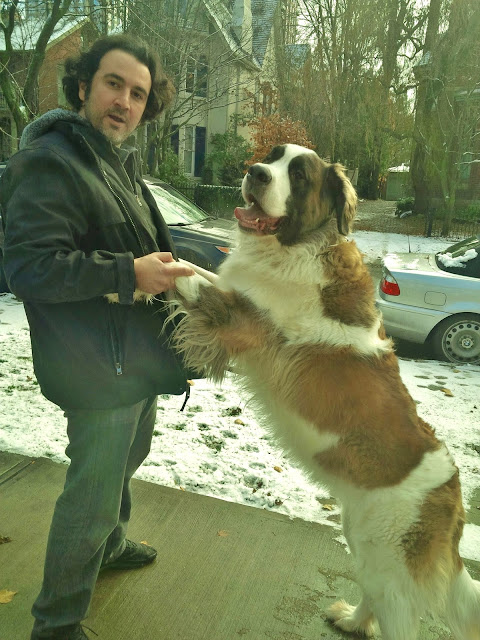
293 192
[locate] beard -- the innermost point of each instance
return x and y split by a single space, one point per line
104 121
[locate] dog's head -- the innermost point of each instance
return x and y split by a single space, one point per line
293 192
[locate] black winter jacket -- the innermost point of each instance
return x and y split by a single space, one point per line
75 217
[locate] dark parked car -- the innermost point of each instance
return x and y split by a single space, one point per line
435 299
198 237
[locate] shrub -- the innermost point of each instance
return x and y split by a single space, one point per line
169 171
405 204
219 201
228 158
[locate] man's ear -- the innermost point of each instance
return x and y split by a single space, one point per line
82 89
341 194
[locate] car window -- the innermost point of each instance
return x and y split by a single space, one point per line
174 210
462 258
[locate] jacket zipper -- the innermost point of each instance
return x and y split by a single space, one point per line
115 194
115 342
124 208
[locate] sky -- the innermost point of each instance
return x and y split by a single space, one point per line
216 446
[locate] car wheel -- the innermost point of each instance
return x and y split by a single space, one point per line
457 339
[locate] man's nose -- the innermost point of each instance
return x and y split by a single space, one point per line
122 99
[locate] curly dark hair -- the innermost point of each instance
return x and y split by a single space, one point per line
83 67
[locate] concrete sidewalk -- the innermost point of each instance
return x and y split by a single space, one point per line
224 571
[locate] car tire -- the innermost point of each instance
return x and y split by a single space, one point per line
457 339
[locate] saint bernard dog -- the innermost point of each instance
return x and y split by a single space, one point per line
292 312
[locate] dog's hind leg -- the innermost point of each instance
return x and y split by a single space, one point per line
398 619
463 607
357 619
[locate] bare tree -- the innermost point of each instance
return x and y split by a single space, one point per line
358 79
447 114
19 69
210 68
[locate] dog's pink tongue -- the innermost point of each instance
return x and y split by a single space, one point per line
249 213
254 217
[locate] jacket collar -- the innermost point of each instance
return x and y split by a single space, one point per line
52 119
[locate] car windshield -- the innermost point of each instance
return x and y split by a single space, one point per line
174 210
462 258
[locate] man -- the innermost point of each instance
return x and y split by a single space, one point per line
80 224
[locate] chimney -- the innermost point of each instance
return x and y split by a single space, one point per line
242 23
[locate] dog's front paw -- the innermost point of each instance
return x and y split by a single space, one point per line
138 296
348 618
189 286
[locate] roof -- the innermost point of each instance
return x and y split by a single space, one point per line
262 22
26 32
222 19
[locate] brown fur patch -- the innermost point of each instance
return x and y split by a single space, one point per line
363 401
219 326
431 544
350 296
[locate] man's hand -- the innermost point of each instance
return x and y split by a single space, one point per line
156 272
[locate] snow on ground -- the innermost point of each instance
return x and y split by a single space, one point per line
216 446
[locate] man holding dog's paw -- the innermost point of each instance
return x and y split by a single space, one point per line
81 224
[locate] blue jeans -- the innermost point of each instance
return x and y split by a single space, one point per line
90 520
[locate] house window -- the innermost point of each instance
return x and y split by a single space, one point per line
188 150
200 148
194 150
196 78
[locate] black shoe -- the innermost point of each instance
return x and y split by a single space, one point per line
72 632
134 556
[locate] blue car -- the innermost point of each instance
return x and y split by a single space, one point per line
198 237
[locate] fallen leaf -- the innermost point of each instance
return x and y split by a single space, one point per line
328 507
4 539
279 469
447 392
6 596
222 533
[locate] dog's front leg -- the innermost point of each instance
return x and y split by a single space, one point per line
189 287
217 326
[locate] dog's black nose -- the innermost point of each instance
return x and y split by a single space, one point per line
260 172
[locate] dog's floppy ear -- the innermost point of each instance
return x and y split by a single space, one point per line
340 192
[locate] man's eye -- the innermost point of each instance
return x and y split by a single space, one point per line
139 96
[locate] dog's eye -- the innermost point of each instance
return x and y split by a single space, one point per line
298 175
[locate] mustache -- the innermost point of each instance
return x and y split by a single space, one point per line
117 111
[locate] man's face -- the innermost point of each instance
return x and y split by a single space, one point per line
117 96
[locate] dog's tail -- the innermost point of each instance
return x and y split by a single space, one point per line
463 607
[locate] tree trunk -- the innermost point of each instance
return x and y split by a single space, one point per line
423 112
